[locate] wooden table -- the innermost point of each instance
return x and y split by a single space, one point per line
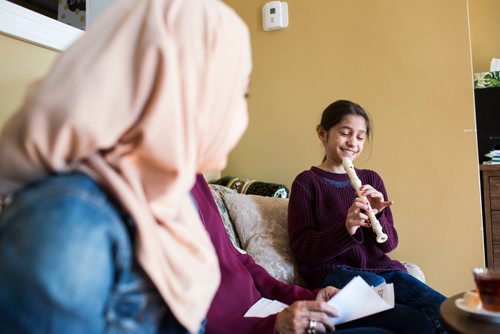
457 321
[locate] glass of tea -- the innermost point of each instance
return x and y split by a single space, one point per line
488 286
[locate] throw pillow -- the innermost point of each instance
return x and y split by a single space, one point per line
261 223
414 270
218 192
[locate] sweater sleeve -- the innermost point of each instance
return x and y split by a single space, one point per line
226 323
270 288
308 243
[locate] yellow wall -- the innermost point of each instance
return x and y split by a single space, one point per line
485 32
20 64
408 63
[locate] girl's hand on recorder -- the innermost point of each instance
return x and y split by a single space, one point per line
375 197
355 216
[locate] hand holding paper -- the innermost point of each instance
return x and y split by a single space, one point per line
357 299
265 307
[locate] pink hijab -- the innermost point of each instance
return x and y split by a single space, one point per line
151 94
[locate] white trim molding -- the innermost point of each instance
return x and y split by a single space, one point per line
27 25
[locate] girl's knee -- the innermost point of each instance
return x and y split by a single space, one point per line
373 279
340 277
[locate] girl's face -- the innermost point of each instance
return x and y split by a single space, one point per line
346 139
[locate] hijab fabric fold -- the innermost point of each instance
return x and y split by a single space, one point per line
150 95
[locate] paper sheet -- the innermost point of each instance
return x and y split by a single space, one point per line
356 300
386 292
265 307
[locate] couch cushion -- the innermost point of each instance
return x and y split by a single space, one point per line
261 223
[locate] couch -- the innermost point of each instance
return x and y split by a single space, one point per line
257 225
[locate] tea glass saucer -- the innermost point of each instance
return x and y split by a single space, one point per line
479 312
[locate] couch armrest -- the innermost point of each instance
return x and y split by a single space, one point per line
414 270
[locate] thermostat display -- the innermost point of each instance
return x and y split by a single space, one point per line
275 15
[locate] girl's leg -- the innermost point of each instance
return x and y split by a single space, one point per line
67 264
410 291
340 277
397 320
401 319
363 330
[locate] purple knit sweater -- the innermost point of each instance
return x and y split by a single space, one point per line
243 282
317 211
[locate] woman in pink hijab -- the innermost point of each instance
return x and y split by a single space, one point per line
98 231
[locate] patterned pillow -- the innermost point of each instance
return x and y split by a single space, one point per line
218 192
253 187
414 270
261 223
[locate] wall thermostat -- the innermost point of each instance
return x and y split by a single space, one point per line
275 15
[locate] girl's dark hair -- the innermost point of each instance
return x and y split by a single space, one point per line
335 112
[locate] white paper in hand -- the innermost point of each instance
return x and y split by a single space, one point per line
265 307
357 299
386 292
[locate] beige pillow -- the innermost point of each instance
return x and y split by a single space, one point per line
261 223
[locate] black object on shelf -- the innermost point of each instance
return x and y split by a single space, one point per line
487 101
